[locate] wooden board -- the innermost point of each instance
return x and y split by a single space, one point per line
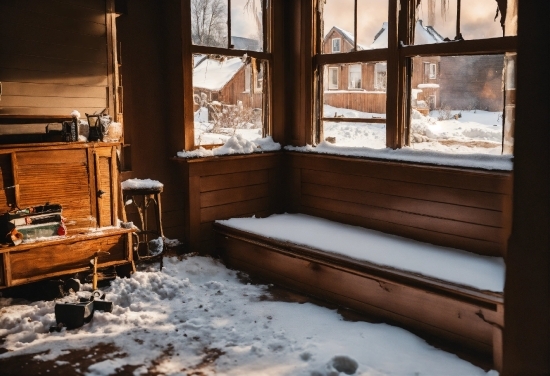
458 208
448 318
54 259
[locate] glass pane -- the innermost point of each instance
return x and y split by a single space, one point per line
209 22
372 25
437 20
247 25
477 19
338 26
457 104
228 95
355 91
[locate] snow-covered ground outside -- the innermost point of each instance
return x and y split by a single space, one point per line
196 317
205 136
471 132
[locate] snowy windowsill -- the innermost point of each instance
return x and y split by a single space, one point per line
236 145
477 161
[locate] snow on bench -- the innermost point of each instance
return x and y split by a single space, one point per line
446 264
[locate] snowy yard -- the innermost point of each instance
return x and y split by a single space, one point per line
450 131
196 317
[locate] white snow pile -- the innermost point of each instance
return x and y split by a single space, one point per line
197 317
141 184
452 265
236 144
483 161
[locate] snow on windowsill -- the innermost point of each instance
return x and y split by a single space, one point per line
481 161
235 145
447 264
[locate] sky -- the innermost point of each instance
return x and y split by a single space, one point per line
476 18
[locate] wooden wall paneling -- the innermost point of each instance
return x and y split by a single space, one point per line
441 225
467 214
275 187
461 197
485 181
235 209
232 164
233 180
195 215
231 195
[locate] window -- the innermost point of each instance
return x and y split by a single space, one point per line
380 76
336 45
433 71
333 78
354 76
231 48
247 74
430 83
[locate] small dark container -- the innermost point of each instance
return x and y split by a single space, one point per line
74 315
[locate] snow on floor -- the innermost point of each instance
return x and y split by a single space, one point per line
167 321
453 265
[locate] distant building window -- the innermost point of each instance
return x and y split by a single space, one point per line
380 76
259 82
355 76
333 78
336 45
433 71
247 73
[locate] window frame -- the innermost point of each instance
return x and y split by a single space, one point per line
350 87
189 49
339 40
398 57
331 85
433 73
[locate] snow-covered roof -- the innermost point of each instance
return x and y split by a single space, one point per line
241 43
214 74
422 35
346 35
198 58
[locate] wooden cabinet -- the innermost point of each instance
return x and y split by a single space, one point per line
84 179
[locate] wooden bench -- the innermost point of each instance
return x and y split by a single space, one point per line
453 311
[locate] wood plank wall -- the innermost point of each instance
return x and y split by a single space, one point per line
470 210
359 101
228 187
53 57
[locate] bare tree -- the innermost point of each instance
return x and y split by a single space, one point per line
209 22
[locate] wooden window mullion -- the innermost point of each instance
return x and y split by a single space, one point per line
229 24
392 87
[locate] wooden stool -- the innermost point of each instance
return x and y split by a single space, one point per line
142 198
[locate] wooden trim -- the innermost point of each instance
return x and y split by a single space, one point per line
20 281
366 269
463 47
380 54
208 50
92 183
114 187
71 239
355 120
10 148
15 174
188 133
230 164
111 61
7 269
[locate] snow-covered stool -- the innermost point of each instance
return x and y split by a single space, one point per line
141 193
449 294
